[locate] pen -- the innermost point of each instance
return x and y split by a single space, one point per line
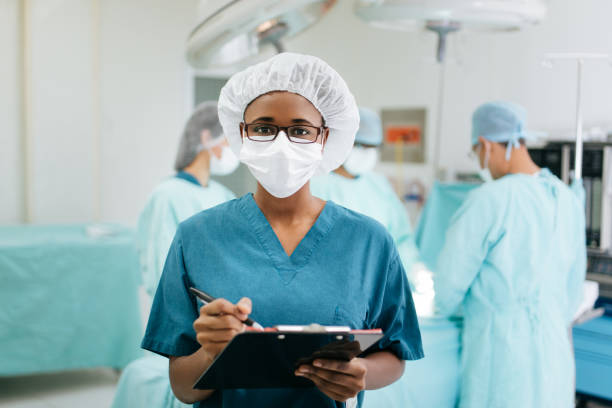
206 298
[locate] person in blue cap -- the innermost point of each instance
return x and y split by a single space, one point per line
514 259
356 186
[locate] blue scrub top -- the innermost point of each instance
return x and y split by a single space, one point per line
345 271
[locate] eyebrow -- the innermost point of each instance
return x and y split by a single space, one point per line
302 121
271 120
264 119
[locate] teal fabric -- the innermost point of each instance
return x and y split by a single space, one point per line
173 201
67 300
443 201
432 381
331 279
514 258
145 384
371 195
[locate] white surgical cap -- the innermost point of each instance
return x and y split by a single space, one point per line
304 75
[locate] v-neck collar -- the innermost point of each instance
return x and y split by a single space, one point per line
287 266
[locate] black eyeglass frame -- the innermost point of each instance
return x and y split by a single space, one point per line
320 130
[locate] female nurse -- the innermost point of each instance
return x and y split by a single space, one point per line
282 256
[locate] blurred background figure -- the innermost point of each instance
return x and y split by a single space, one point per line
515 260
356 186
203 150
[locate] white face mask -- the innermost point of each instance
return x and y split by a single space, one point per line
227 164
361 160
282 167
485 175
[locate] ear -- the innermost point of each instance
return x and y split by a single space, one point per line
486 144
217 150
204 137
241 130
324 137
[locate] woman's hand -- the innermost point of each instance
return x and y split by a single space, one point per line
219 322
339 380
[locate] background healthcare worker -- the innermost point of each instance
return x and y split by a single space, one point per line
356 186
203 150
515 259
281 253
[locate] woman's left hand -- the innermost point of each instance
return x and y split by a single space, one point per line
339 380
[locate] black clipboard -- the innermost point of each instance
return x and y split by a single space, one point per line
269 359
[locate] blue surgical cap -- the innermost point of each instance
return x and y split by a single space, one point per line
370 128
500 122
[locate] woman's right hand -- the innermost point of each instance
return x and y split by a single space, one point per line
219 322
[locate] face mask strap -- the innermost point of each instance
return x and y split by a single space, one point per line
215 142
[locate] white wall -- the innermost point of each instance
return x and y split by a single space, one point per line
61 116
10 156
146 96
109 93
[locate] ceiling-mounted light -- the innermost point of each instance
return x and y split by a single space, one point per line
476 14
231 31
446 16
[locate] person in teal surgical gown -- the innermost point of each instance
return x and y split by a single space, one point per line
514 259
203 150
356 186
281 255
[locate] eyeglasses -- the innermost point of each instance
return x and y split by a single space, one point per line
302 134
